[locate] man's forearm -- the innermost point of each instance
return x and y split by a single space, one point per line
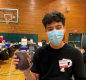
29 75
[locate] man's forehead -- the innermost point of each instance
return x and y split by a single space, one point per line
54 24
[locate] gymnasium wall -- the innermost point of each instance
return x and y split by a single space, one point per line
16 37
31 13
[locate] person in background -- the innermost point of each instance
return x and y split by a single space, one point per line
24 37
1 39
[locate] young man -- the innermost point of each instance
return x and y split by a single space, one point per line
57 60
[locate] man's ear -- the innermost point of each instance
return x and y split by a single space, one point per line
64 29
46 31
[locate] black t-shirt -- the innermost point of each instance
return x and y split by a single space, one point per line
58 64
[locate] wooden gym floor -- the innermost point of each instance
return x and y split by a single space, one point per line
5 68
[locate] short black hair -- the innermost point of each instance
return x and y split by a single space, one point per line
53 16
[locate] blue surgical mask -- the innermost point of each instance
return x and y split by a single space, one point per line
55 36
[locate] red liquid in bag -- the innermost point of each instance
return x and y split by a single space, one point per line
23 62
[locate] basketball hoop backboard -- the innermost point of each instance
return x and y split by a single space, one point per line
11 14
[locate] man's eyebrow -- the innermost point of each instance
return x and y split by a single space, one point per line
58 25
49 27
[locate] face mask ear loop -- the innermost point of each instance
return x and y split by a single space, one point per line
10 71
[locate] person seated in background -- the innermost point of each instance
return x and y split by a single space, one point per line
24 37
1 39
